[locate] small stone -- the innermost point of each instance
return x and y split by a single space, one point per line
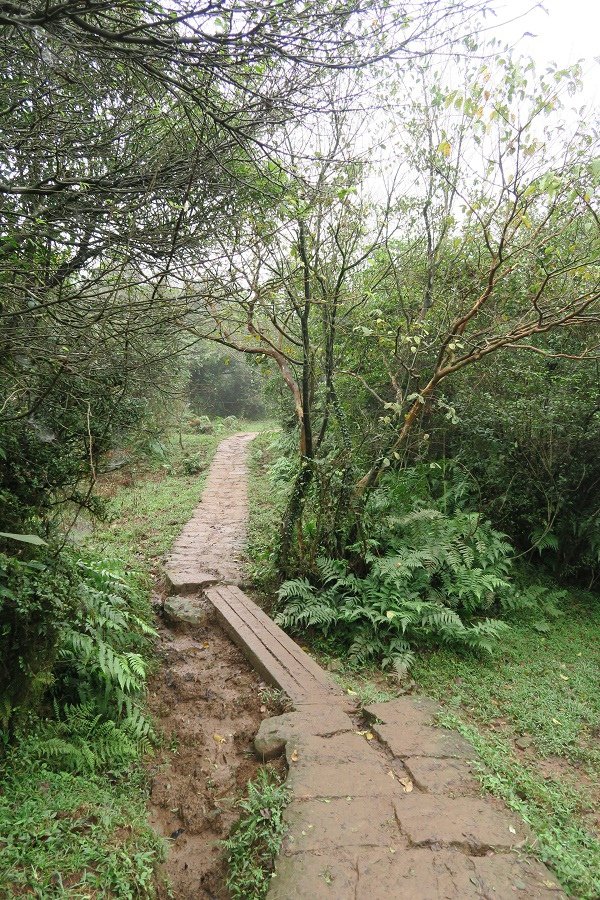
523 742
269 742
334 665
192 611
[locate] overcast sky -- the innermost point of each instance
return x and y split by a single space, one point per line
567 32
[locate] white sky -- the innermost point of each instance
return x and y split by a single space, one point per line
567 32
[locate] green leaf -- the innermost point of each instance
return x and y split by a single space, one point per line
25 538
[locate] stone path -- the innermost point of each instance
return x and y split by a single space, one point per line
384 804
210 547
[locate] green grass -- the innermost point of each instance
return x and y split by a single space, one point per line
255 840
66 832
68 835
543 687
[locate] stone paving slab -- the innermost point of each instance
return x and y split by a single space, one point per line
396 873
467 822
442 776
342 822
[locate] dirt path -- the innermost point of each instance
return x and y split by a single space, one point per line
208 700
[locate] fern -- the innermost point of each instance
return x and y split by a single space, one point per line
432 578
101 662
81 740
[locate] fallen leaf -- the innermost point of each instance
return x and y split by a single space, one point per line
219 738
551 884
406 784
391 774
352 693
512 830
369 735
294 756
564 677
556 722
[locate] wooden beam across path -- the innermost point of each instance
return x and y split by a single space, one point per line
278 658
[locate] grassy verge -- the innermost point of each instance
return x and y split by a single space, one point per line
255 841
264 516
72 793
533 715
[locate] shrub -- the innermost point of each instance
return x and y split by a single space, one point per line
36 599
435 583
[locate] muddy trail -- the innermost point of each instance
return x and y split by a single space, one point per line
206 698
209 704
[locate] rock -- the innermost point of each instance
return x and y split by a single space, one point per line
271 738
524 742
188 579
334 665
190 610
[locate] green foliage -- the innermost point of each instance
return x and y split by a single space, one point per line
528 436
37 597
223 383
69 833
255 841
99 649
429 577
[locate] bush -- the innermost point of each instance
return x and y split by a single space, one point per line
37 598
435 582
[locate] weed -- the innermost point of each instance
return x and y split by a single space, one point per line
255 841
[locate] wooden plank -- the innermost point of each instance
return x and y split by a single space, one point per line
279 637
270 659
272 652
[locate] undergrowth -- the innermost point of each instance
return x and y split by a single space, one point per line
255 841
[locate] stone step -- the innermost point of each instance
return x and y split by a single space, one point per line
276 656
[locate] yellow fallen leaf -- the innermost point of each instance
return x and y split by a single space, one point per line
352 693
406 784
369 735
556 722
294 756
564 677
550 884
